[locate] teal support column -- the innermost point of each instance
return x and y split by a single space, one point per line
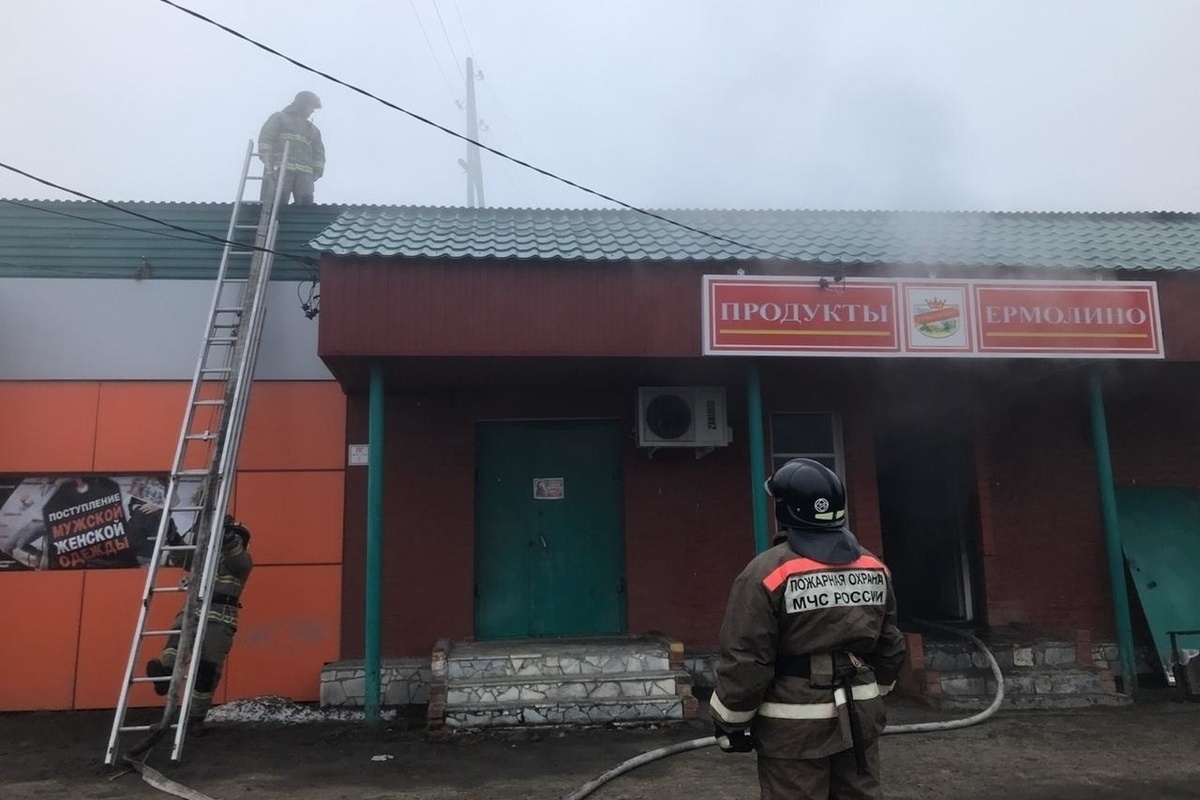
1112 533
758 497
372 660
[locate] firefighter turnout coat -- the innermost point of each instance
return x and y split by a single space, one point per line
306 153
790 616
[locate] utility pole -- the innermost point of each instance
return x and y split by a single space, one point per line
474 167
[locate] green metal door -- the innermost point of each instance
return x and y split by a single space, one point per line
549 559
1160 534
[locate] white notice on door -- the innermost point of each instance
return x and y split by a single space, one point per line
548 489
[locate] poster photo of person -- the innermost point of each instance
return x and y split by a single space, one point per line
81 522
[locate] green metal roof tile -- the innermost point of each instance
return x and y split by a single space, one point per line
74 238
46 238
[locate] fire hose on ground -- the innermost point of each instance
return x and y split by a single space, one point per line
919 727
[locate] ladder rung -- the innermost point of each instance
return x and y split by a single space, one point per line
171 548
192 473
228 309
199 437
236 280
143 679
162 589
177 509
137 728
222 340
215 370
209 403
246 226
158 633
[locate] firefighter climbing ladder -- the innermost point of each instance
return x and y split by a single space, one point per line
205 462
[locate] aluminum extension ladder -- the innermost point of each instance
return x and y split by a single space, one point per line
205 462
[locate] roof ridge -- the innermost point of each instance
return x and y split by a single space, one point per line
185 204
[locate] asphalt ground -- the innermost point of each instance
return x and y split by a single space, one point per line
1149 750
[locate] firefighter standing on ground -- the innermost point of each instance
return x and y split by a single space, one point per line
809 646
232 572
306 152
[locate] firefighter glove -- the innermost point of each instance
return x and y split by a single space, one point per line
734 740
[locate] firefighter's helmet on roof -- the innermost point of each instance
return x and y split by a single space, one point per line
308 99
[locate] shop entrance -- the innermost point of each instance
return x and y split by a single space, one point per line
928 507
549 555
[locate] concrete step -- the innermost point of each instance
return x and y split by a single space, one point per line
575 688
596 711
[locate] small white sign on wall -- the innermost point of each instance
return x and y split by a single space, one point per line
548 489
356 455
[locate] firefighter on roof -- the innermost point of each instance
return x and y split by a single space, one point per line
306 152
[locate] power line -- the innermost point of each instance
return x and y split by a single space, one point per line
65 272
470 47
457 135
307 262
107 222
449 43
487 86
420 24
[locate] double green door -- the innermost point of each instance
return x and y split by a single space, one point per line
549 556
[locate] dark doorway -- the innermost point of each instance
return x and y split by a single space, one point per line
928 508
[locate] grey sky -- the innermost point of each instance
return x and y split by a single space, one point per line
960 104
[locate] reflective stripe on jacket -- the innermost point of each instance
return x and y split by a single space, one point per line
784 604
306 152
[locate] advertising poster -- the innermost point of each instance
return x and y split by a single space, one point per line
81 522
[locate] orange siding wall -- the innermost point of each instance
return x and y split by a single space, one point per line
67 648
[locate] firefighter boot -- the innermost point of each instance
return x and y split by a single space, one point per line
156 669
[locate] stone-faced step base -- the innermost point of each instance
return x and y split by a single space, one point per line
564 657
584 712
564 681
1034 682
1035 702
403 682
1044 673
579 688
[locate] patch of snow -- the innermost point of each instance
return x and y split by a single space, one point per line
275 710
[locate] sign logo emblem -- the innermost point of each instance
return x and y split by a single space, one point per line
821 505
936 317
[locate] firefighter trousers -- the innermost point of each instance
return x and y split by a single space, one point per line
218 639
299 186
832 778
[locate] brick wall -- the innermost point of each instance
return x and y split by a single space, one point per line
1047 566
1045 557
1154 424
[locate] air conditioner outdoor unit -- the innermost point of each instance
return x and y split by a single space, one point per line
682 416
